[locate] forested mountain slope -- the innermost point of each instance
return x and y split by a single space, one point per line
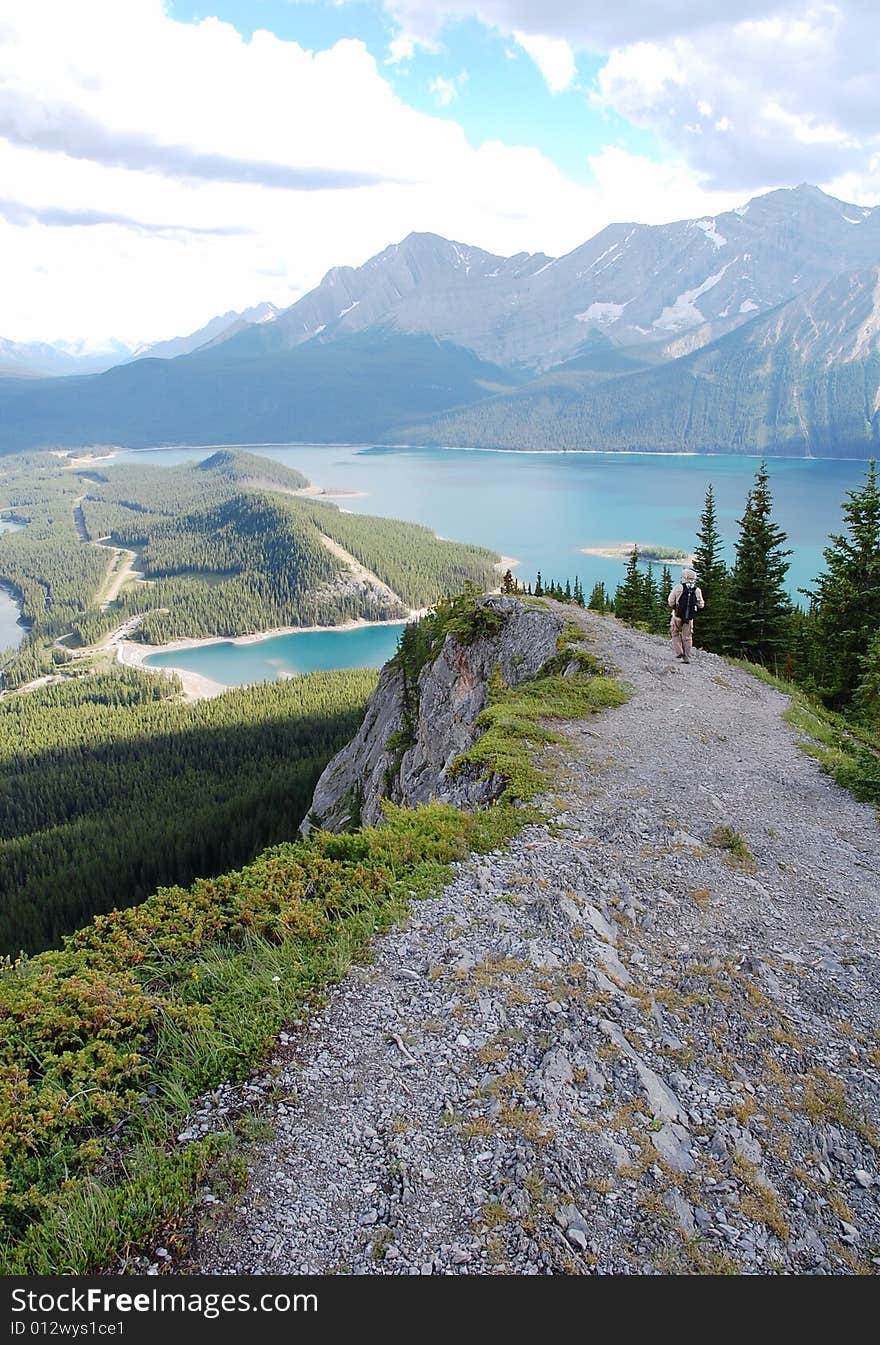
110 787
230 546
637 283
801 379
430 327
358 389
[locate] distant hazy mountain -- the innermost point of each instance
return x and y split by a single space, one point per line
50 359
802 379
53 358
360 388
680 285
219 329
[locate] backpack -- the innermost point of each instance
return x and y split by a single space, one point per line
686 606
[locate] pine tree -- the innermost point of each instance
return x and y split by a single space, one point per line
650 595
539 587
800 657
866 700
578 592
568 590
758 604
508 583
663 609
598 598
629 598
713 579
846 599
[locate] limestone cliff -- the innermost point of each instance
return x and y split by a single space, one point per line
411 734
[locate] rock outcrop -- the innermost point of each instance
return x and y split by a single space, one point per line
410 737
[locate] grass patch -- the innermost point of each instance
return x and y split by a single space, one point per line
95 1221
515 722
847 751
108 1041
733 844
760 1203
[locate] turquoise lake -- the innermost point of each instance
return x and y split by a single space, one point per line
541 508
10 631
285 655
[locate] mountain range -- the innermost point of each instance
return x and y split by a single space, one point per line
41 359
674 285
757 330
48 358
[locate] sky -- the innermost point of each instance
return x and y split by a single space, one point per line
163 161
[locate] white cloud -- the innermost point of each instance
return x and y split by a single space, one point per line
155 173
445 91
647 192
400 49
780 98
749 91
553 57
594 26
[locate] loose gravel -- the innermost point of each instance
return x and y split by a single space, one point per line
616 1047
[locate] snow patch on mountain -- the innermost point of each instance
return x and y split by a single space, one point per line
603 312
684 312
708 227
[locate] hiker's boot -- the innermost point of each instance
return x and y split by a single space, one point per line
685 659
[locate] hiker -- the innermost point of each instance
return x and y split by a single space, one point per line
685 600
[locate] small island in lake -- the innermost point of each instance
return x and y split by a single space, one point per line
647 551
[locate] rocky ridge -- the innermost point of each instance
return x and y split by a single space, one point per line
619 1046
637 284
412 735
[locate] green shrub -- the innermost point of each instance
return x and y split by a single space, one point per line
733 843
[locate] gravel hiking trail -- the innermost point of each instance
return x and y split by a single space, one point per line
620 1046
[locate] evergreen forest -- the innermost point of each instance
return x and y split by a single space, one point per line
111 786
229 546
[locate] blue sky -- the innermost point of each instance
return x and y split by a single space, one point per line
503 95
163 161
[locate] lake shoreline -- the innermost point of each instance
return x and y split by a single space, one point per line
133 653
623 551
521 452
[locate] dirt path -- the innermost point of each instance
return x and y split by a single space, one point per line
124 562
119 570
610 1048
